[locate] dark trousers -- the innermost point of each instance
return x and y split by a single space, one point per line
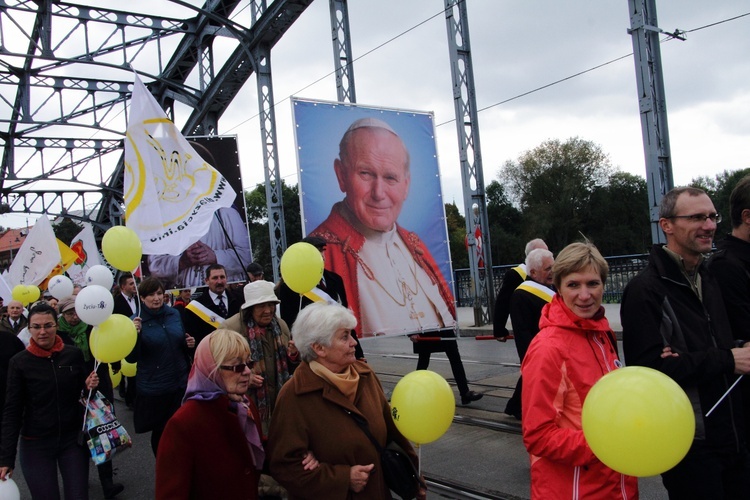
710 474
457 367
40 459
153 412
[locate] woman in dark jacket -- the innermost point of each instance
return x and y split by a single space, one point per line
42 406
75 332
162 356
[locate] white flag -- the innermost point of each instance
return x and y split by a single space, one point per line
170 193
84 244
37 257
5 292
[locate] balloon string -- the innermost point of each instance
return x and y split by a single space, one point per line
137 296
725 395
88 398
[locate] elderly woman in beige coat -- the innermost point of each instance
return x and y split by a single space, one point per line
313 413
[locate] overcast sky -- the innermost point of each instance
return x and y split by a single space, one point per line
517 47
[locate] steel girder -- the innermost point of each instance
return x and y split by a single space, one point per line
652 103
472 174
66 78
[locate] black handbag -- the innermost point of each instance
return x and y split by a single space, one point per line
398 470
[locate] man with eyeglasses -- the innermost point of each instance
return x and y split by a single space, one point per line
674 320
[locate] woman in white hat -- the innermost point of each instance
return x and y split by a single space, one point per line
273 352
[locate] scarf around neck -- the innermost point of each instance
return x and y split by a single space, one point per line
265 399
41 352
77 334
205 384
346 382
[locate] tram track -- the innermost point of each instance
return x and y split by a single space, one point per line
445 488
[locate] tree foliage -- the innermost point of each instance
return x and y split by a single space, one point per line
553 184
505 226
618 221
456 236
719 190
257 219
66 230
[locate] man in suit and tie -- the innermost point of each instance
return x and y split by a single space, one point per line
204 314
126 302
330 288
16 321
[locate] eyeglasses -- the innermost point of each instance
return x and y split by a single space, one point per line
46 326
699 218
238 368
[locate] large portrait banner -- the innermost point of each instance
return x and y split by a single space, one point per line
370 187
227 241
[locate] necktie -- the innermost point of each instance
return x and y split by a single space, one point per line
222 307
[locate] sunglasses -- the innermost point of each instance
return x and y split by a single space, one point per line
238 368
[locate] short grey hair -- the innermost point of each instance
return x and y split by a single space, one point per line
669 201
534 244
536 257
317 323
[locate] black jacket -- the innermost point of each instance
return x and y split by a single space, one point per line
42 400
525 311
659 308
511 280
198 328
292 302
730 265
122 306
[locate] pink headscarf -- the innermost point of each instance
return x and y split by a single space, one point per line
205 384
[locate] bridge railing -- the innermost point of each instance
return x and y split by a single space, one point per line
621 269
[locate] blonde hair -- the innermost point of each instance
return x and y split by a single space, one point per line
577 257
226 345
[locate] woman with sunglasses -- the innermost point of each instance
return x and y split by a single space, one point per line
211 448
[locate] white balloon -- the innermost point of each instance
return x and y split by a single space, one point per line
60 287
9 490
100 275
94 304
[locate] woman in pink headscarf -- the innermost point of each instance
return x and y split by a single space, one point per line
211 447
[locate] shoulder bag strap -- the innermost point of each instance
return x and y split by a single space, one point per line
363 425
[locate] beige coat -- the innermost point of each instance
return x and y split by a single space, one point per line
311 414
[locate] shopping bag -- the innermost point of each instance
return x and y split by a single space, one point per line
103 433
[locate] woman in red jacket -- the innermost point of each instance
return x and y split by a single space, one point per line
573 350
211 447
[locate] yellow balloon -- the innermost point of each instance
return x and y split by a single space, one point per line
20 293
122 248
302 267
129 369
113 339
422 406
33 293
115 377
638 421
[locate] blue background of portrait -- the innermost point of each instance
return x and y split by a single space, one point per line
319 127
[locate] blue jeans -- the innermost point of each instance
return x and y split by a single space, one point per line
40 459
